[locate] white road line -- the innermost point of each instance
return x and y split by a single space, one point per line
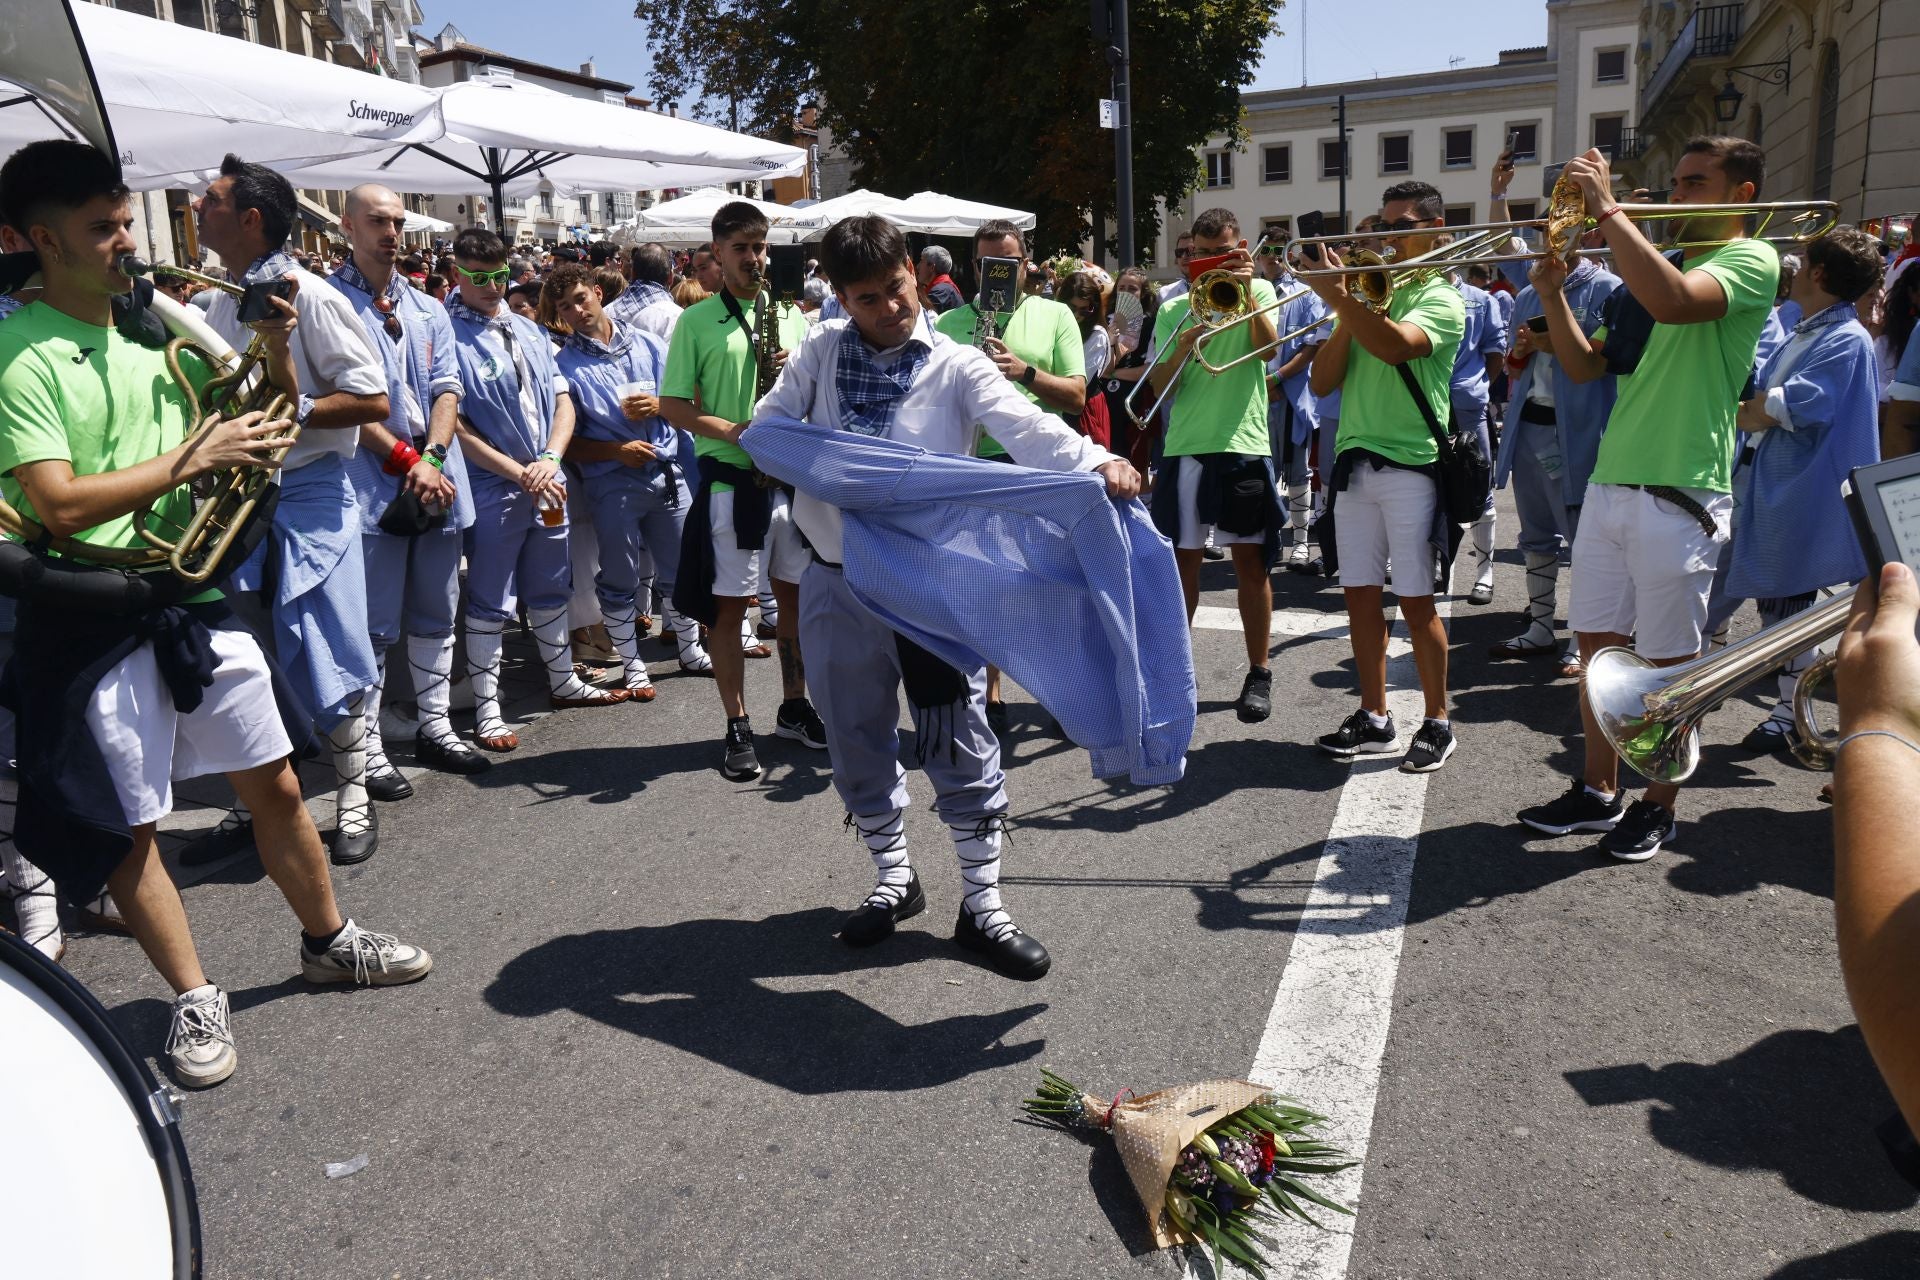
1327 1032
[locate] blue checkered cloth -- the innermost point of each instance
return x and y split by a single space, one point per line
1037 572
869 394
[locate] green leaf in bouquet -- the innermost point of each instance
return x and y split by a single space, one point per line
1233 1177
1289 1205
1302 1189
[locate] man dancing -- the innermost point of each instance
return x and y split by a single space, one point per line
885 371
113 709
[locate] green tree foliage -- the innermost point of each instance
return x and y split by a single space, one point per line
988 101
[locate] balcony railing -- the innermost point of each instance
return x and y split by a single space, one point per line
1711 31
1632 145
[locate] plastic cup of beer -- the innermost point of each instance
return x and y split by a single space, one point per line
552 512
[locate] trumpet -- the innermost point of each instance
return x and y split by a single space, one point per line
236 497
1652 714
1376 275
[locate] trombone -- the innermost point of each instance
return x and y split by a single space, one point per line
1216 300
1652 714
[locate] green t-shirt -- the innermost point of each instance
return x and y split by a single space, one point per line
710 361
1215 412
74 391
1673 421
1040 331
1376 413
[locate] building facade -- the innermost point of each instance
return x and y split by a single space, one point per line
1830 89
1444 127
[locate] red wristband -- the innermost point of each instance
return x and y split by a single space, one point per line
1603 217
402 460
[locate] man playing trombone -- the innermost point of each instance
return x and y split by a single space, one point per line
1388 502
1656 511
1217 477
113 707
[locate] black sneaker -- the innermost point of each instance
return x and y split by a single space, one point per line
799 721
1640 833
997 717
1432 744
1357 736
1578 809
739 762
1771 737
1212 552
1256 696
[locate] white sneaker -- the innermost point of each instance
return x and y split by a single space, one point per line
200 1038
365 959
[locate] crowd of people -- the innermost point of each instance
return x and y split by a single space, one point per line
565 438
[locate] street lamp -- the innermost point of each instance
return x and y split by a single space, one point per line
1726 103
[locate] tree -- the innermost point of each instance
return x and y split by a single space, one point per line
988 101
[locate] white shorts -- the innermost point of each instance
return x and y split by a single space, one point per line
1643 567
1193 534
1386 515
147 743
736 573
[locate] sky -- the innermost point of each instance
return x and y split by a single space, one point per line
1342 39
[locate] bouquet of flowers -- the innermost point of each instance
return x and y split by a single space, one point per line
1213 1163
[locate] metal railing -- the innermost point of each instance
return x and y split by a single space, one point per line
1711 31
1632 145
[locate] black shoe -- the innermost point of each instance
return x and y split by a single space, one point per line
1640 833
738 760
799 721
1432 744
1771 737
1358 736
449 755
871 921
1013 955
1576 810
1314 568
389 786
1256 696
997 717
355 837
220 843
1213 553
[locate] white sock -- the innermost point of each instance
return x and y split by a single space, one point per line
886 839
769 608
747 639
1543 573
1300 511
622 630
978 848
686 636
1379 721
1598 794
377 762
486 637
349 743
1483 549
549 627
431 661
35 904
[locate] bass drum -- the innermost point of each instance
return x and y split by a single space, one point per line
95 1184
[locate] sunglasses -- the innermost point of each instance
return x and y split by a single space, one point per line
1182 253
1403 224
384 305
1272 250
481 279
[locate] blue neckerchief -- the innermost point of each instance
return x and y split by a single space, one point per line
348 273
269 266
645 293
1838 313
458 309
869 394
621 344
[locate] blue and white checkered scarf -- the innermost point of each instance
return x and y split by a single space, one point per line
869 394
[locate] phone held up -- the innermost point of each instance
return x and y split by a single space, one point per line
256 304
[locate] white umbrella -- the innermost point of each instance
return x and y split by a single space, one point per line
855 204
689 219
424 222
933 214
178 99
508 135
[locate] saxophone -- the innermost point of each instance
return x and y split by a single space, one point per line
766 336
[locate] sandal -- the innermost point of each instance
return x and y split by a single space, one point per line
1520 647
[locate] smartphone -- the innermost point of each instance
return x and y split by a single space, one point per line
1310 224
254 304
1538 324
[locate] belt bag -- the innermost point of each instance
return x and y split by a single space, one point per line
1464 474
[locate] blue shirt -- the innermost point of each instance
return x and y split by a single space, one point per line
595 372
1294 315
514 418
425 369
1038 572
1485 335
1580 409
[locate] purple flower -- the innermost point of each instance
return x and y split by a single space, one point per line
1193 1170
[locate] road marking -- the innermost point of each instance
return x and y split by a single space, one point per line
1327 1032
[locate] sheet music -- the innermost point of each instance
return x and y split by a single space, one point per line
1901 498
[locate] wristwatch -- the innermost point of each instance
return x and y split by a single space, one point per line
1026 379
437 455
305 409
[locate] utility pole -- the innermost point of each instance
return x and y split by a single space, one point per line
1110 28
1340 121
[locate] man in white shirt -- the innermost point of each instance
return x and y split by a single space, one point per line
646 305
318 580
1182 250
920 387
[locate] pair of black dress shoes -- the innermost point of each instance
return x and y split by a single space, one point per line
1012 954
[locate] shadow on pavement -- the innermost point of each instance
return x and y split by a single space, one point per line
1804 1104
1735 851
1893 1253
611 774
1215 771
695 985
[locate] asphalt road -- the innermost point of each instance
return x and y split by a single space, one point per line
642 1053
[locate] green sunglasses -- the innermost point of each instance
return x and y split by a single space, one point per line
481 279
